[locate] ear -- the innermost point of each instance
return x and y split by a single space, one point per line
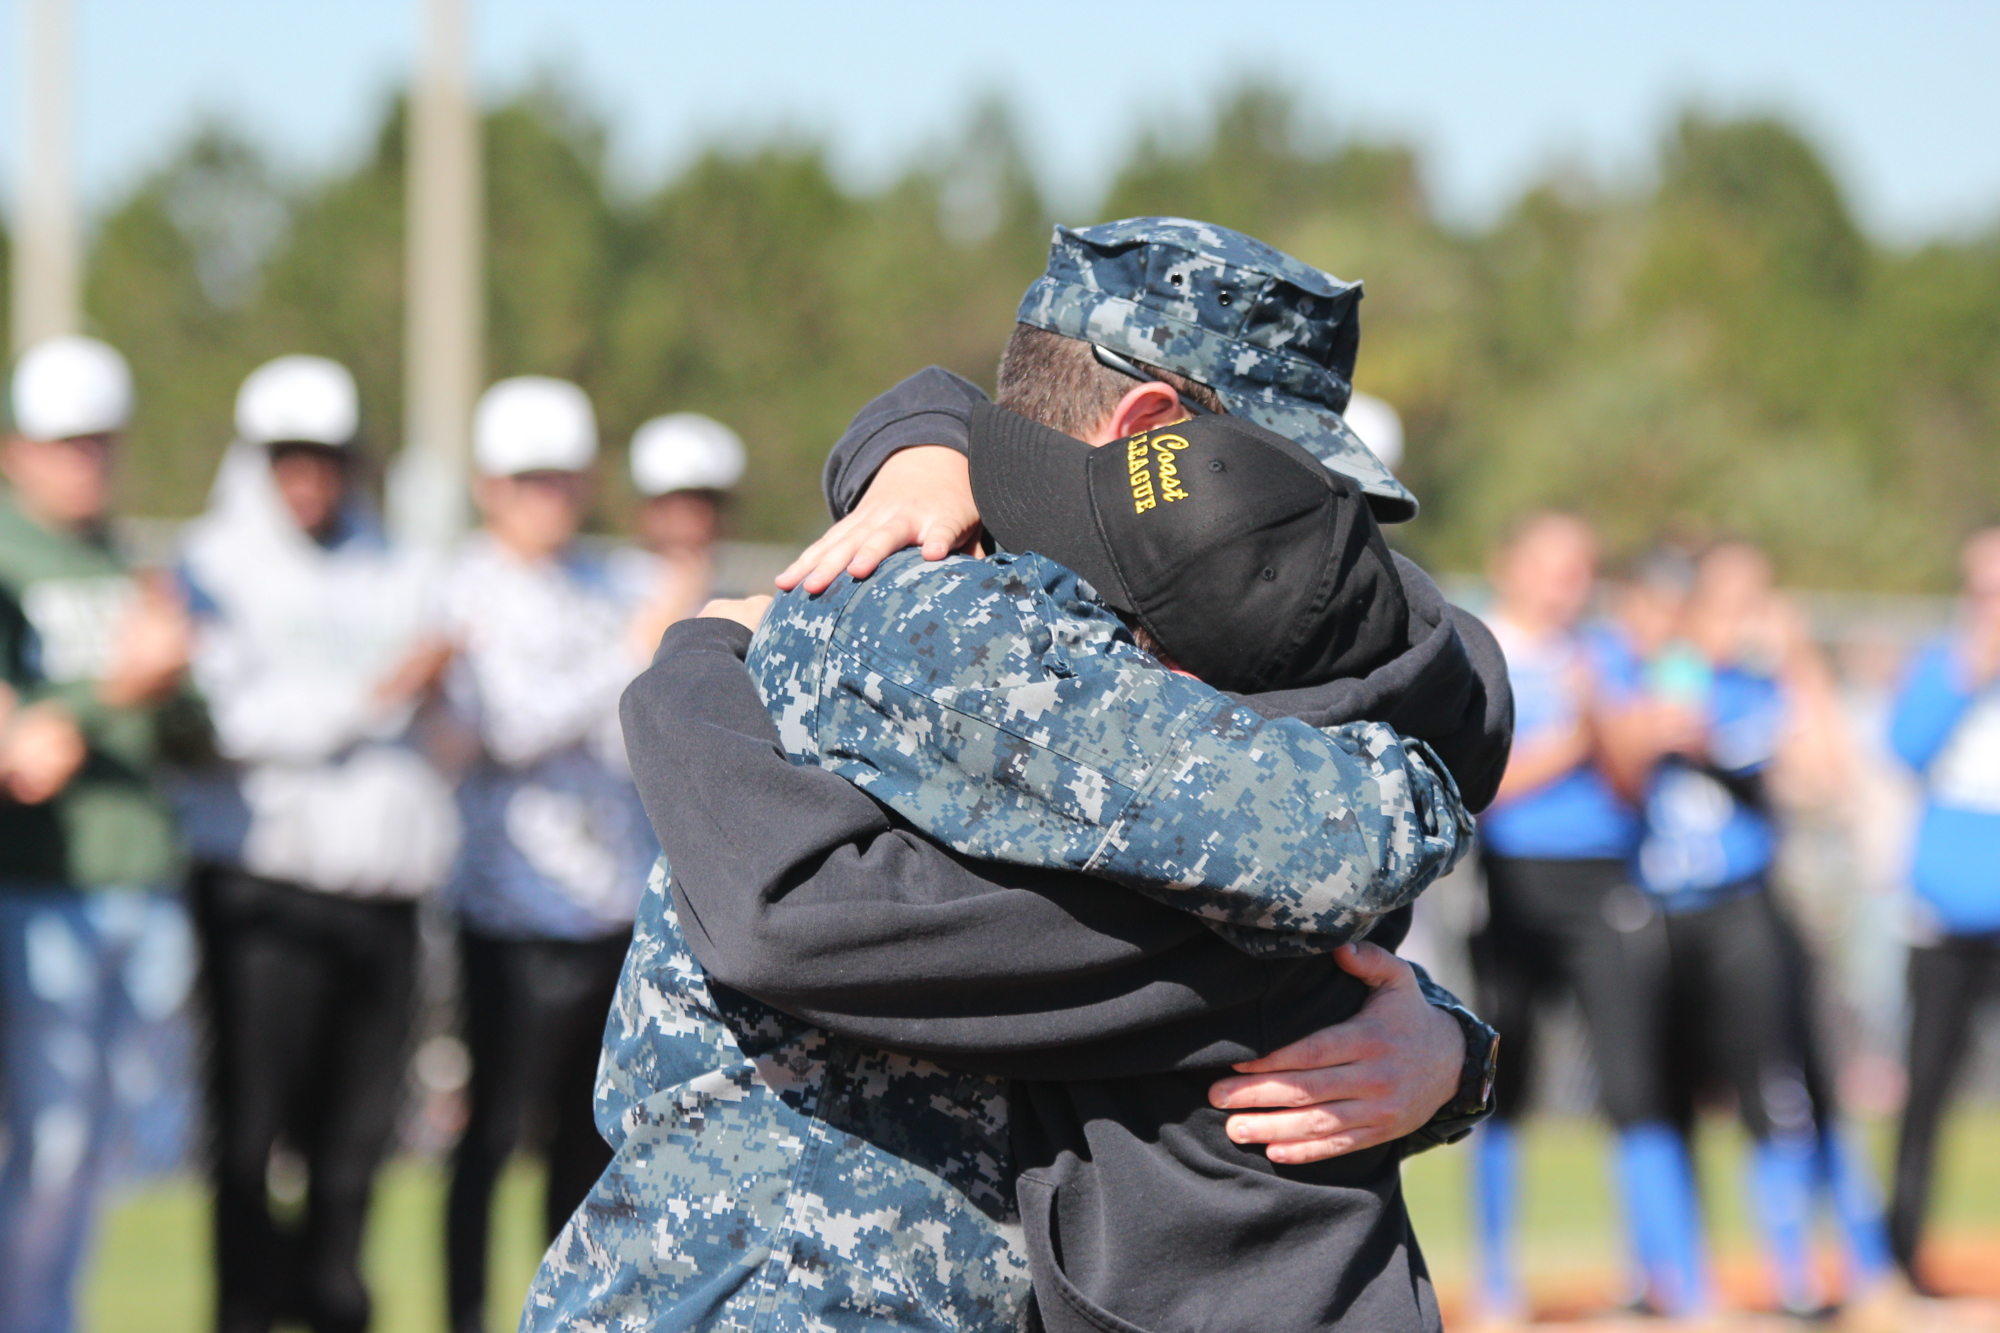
1144 407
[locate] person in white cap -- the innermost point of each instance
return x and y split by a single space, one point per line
556 846
95 953
316 646
684 466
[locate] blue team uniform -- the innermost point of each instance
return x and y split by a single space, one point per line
1708 836
1579 815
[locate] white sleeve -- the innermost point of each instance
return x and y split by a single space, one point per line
524 713
525 700
265 715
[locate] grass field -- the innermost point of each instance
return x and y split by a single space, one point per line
151 1274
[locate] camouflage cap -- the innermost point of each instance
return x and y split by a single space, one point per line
1273 337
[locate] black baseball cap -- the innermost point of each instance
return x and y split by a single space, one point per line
1251 564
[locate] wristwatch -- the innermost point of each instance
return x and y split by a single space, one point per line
1474 1100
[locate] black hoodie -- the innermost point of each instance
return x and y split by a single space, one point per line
1114 1013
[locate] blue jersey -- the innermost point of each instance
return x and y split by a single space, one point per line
1578 815
1706 824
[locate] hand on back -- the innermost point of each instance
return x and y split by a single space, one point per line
1378 1076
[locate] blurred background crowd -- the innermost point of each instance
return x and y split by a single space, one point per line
249 767
342 787
1762 891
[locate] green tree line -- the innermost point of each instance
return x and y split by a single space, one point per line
1721 351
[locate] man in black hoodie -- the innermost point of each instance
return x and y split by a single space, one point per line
874 1243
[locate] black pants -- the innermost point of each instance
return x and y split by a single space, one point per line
1577 924
310 1003
1740 1017
1947 982
534 1021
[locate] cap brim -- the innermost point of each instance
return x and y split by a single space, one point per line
302 442
1322 433
1032 487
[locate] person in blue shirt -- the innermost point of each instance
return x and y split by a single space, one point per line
1947 727
1735 689
1562 912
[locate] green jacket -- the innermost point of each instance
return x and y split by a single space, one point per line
62 598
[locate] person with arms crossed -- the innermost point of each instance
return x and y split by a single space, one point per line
1733 705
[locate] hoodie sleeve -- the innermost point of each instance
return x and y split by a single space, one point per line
264 718
932 406
836 915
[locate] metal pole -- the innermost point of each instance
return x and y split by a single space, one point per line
47 278
445 307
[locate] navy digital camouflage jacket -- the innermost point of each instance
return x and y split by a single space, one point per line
771 1176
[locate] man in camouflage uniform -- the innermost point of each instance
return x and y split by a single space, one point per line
772 1175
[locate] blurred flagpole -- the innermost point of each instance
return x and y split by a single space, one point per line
444 275
47 278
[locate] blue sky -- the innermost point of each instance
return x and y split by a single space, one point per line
1902 98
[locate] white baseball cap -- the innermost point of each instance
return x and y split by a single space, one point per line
69 386
685 452
533 423
1379 427
298 400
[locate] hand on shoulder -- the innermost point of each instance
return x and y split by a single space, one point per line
920 497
